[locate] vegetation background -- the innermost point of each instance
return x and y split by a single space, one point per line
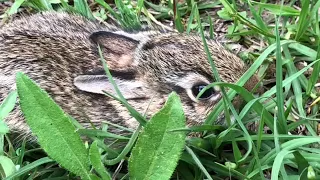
280 39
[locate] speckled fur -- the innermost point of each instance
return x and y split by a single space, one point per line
55 48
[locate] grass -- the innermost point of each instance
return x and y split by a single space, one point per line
285 143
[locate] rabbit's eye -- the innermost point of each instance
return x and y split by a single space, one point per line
196 89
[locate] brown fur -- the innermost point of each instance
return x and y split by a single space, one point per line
59 52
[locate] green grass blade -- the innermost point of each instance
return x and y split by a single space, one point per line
211 28
39 5
261 24
233 13
26 169
132 111
227 103
191 17
244 78
278 163
100 133
305 50
140 5
222 169
316 70
278 9
288 80
128 17
247 96
198 163
126 150
15 6
288 146
303 19
8 104
110 10
302 164
83 8
282 126
295 83
95 160
177 18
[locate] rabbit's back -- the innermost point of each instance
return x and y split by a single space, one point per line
52 49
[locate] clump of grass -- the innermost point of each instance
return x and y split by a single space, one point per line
287 34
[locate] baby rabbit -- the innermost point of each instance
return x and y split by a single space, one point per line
59 51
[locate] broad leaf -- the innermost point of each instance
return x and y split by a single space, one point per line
55 132
158 149
7 165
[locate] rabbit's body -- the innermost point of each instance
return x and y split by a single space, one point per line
59 51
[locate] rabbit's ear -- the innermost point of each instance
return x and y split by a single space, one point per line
130 89
118 49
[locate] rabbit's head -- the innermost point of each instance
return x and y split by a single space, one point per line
148 66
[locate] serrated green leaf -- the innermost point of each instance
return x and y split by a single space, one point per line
157 151
55 132
95 159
